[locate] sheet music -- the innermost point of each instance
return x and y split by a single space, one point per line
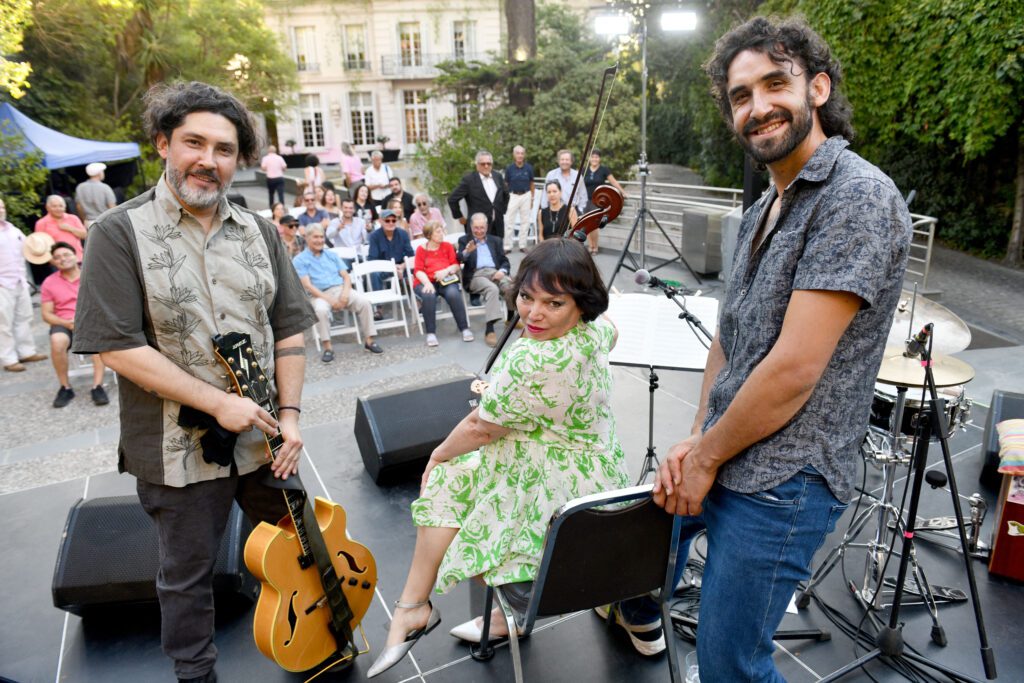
652 335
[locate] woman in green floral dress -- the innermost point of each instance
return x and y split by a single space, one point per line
542 436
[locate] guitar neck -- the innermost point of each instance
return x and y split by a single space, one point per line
296 500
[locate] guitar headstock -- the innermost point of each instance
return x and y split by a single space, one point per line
234 351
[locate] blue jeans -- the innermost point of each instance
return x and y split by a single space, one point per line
760 546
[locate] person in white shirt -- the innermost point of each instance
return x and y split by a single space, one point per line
347 230
377 177
16 344
565 175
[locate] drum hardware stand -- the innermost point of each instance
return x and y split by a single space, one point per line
889 640
944 526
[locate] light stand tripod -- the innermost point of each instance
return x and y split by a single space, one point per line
889 640
643 170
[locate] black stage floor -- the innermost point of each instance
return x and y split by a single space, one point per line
41 643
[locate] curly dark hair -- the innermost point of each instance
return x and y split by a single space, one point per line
167 105
563 266
784 41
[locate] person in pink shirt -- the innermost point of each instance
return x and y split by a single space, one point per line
61 225
273 164
351 168
423 214
58 297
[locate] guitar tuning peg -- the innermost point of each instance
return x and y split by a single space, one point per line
231 361
263 378
245 387
248 350
238 373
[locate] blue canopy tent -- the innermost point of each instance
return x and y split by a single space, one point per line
60 150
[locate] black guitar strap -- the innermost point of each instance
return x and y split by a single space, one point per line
340 611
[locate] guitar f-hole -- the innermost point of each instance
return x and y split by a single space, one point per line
293 618
351 562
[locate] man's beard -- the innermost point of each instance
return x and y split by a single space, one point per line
775 150
197 199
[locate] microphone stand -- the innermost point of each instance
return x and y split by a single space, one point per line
675 294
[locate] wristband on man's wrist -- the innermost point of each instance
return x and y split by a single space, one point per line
295 408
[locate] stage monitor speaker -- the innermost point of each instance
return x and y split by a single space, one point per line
109 556
397 430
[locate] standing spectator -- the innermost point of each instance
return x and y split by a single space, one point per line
550 217
294 243
61 225
397 192
312 214
437 273
351 168
423 214
485 271
596 176
484 192
377 177
565 175
348 230
313 174
274 165
519 180
389 243
364 206
16 343
58 297
94 196
326 279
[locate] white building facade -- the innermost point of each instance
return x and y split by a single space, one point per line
366 68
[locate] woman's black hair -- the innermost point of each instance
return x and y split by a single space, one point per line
312 160
563 266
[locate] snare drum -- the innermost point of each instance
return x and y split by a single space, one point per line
883 407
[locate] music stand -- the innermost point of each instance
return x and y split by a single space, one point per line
651 335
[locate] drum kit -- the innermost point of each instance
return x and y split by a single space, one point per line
889 446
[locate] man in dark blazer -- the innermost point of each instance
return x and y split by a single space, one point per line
484 192
485 271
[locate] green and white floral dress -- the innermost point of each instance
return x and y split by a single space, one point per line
554 396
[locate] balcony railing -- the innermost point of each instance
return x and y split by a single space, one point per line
307 66
418 66
356 64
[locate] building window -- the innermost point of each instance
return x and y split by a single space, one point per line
414 106
360 106
463 39
355 47
467 106
304 47
312 120
410 43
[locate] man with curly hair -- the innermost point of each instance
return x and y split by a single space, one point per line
768 466
164 273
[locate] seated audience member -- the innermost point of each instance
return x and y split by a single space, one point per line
61 225
331 203
277 212
364 207
294 243
485 271
550 216
347 230
437 274
423 213
312 215
59 295
398 193
395 204
389 243
521 454
325 277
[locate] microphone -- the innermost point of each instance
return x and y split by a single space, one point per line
643 277
918 342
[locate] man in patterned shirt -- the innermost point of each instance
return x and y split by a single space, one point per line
165 272
768 467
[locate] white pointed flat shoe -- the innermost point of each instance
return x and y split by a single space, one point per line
472 632
394 654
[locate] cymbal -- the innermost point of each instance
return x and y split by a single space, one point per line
907 372
950 333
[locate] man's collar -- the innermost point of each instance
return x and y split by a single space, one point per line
173 209
824 158
485 177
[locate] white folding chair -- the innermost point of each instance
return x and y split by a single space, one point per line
391 294
418 242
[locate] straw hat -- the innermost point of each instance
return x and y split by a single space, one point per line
36 248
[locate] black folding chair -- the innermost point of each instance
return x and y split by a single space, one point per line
599 549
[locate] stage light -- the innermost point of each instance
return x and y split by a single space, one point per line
612 24
679 21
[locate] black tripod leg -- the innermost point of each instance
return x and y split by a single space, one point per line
625 249
679 254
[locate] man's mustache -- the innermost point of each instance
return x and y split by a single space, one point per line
212 177
754 124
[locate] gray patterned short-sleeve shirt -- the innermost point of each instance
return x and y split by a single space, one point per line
842 226
153 277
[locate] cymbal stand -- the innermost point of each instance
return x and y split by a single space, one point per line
889 639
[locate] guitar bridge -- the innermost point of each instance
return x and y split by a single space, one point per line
322 602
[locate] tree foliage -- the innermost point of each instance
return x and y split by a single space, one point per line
93 60
564 80
21 174
14 17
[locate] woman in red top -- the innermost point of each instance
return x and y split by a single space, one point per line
437 273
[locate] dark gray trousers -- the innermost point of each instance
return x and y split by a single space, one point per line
190 521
